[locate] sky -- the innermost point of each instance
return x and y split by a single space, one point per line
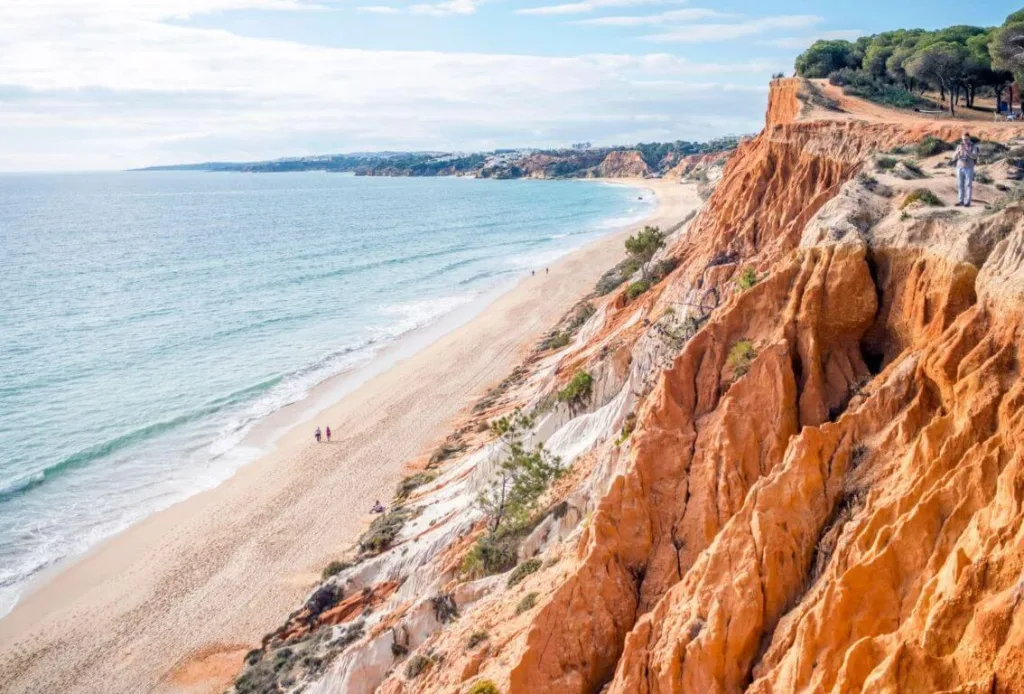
112 84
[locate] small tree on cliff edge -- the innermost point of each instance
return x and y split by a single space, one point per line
522 476
644 245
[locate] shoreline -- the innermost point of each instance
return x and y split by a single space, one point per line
214 572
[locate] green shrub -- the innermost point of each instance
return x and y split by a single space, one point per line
930 146
923 196
383 531
492 554
335 568
741 356
663 268
520 573
476 638
577 390
528 602
417 665
406 486
886 163
556 340
636 289
984 179
748 279
484 687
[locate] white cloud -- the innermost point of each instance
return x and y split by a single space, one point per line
449 7
802 42
585 6
379 9
692 14
699 33
124 89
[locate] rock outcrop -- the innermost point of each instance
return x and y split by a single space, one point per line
799 467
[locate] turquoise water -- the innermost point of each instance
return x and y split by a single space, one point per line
149 320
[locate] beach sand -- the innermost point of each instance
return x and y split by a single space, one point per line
174 602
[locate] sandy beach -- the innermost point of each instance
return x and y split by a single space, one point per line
173 603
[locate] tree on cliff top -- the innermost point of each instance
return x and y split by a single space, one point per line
825 57
943 64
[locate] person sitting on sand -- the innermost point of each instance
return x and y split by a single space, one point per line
966 156
316 434
377 507
327 433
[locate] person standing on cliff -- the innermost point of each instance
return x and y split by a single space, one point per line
966 157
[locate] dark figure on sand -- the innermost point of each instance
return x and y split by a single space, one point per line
316 434
327 433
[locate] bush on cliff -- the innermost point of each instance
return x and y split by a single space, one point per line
930 146
383 531
923 196
520 573
748 279
528 602
741 356
484 687
406 486
334 568
636 289
577 391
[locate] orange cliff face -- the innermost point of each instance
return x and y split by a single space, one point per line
824 490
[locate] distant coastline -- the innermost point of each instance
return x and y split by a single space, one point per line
644 160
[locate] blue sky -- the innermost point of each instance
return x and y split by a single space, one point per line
99 84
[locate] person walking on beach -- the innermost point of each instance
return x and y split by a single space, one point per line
316 434
327 432
966 157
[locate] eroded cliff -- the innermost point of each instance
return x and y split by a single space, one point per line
798 466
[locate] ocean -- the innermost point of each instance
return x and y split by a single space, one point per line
149 320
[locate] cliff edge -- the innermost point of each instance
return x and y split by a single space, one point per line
797 464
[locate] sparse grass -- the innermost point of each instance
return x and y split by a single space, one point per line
747 279
528 602
636 289
520 573
1013 197
476 638
406 486
335 568
484 687
930 146
663 268
984 178
923 196
741 356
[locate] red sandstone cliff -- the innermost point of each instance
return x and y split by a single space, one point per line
824 490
